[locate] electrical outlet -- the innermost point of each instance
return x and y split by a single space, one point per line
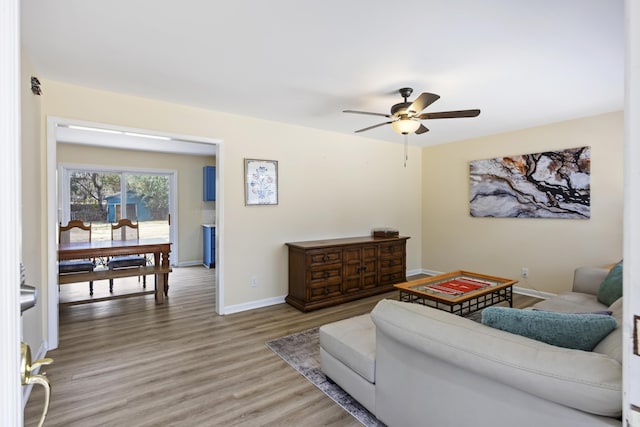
254 281
525 272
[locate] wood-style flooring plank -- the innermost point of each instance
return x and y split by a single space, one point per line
131 362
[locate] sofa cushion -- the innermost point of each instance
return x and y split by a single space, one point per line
353 342
587 279
611 345
611 288
571 302
569 330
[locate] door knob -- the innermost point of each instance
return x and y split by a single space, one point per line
26 367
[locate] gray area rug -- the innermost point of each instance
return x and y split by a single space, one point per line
302 352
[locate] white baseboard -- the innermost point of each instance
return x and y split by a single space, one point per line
417 271
189 263
428 272
414 272
251 305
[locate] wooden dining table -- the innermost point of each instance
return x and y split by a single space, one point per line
159 248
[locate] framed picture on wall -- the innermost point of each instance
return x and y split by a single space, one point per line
260 182
550 184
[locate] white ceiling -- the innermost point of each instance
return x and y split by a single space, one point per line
522 62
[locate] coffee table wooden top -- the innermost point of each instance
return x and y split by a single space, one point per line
455 287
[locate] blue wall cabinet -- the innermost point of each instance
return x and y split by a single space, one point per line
209 184
209 248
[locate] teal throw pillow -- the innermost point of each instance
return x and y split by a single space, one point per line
611 287
569 330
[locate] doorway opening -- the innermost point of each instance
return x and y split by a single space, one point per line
134 183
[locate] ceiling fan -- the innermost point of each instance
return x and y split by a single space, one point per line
406 115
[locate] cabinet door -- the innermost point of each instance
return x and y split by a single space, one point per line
351 270
360 268
209 183
369 268
213 246
209 246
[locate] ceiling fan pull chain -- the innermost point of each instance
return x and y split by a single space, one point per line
406 149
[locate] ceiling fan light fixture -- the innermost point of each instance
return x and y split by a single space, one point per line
404 115
405 126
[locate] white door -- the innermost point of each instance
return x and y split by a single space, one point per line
10 225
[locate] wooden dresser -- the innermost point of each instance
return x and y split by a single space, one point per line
329 272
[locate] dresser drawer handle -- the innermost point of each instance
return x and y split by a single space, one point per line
325 258
325 275
326 290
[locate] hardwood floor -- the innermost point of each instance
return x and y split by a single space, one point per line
129 362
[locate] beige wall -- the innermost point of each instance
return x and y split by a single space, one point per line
550 248
331 185
334 185
189 178
33 203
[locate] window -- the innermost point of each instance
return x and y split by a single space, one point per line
102 197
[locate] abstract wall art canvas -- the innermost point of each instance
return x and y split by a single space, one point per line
551 184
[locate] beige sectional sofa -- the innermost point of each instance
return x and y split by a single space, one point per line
413 365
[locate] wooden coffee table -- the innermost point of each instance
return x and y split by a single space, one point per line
458 292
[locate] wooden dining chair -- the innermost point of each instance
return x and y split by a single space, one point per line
76 231
124 229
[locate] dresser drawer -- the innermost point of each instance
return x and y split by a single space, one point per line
320 257
325 275
391 263
324 292
392 250
392 270
392 277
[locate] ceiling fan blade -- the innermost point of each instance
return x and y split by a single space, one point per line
422 129
366 112
449 114
374 126
423 101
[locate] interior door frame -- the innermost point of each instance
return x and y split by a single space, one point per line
10 226
54 124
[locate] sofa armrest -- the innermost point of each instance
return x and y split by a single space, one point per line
586 381
587 280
